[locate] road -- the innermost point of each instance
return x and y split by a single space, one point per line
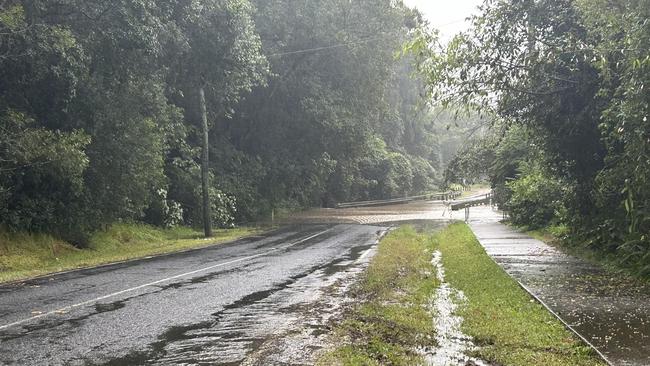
226 304
265 300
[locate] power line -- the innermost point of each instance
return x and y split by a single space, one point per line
316 49
450 23
323 48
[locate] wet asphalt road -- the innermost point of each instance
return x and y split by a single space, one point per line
206 306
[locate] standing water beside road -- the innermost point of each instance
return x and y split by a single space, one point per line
610 311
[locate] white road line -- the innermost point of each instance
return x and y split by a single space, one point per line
71 307
365 254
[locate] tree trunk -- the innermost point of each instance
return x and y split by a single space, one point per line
207 225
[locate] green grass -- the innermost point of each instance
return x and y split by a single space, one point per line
25 255
390 319
507 324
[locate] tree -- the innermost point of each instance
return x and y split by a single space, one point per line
216 53
166 111
41 168
574 74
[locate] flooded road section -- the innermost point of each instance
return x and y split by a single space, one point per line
260 301
415 211
611 311
395 214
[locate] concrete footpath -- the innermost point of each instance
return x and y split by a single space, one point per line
610 311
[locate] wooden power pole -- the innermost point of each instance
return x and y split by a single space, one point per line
205 176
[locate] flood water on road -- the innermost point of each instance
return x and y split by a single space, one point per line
395 214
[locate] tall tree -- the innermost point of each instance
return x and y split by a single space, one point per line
215 58
574 74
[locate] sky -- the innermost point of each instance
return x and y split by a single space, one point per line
446 15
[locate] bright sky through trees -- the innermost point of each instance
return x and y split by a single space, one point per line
446 16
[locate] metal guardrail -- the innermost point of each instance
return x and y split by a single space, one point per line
437 196
374 203
484 200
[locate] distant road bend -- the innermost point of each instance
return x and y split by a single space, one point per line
225 304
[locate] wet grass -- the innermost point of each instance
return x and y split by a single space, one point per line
25 255
390 319
509 327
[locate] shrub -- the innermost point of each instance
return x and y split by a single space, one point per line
536 198
223 208
164 212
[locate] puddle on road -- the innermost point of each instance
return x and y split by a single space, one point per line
453 344
111 306
285 324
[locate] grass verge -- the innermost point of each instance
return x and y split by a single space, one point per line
28 255
390 319
509 327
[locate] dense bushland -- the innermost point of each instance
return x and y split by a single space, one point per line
307 104
566 83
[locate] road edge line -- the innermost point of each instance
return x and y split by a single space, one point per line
117 293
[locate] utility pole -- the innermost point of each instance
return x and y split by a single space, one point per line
205 176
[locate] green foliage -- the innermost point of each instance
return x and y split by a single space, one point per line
40 170
574 73
536 200
99 102
621 193
471 163
424 175
223 208
126 159
330 125
13 17
99 83
163 212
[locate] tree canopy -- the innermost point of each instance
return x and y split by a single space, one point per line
569 80
308 104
